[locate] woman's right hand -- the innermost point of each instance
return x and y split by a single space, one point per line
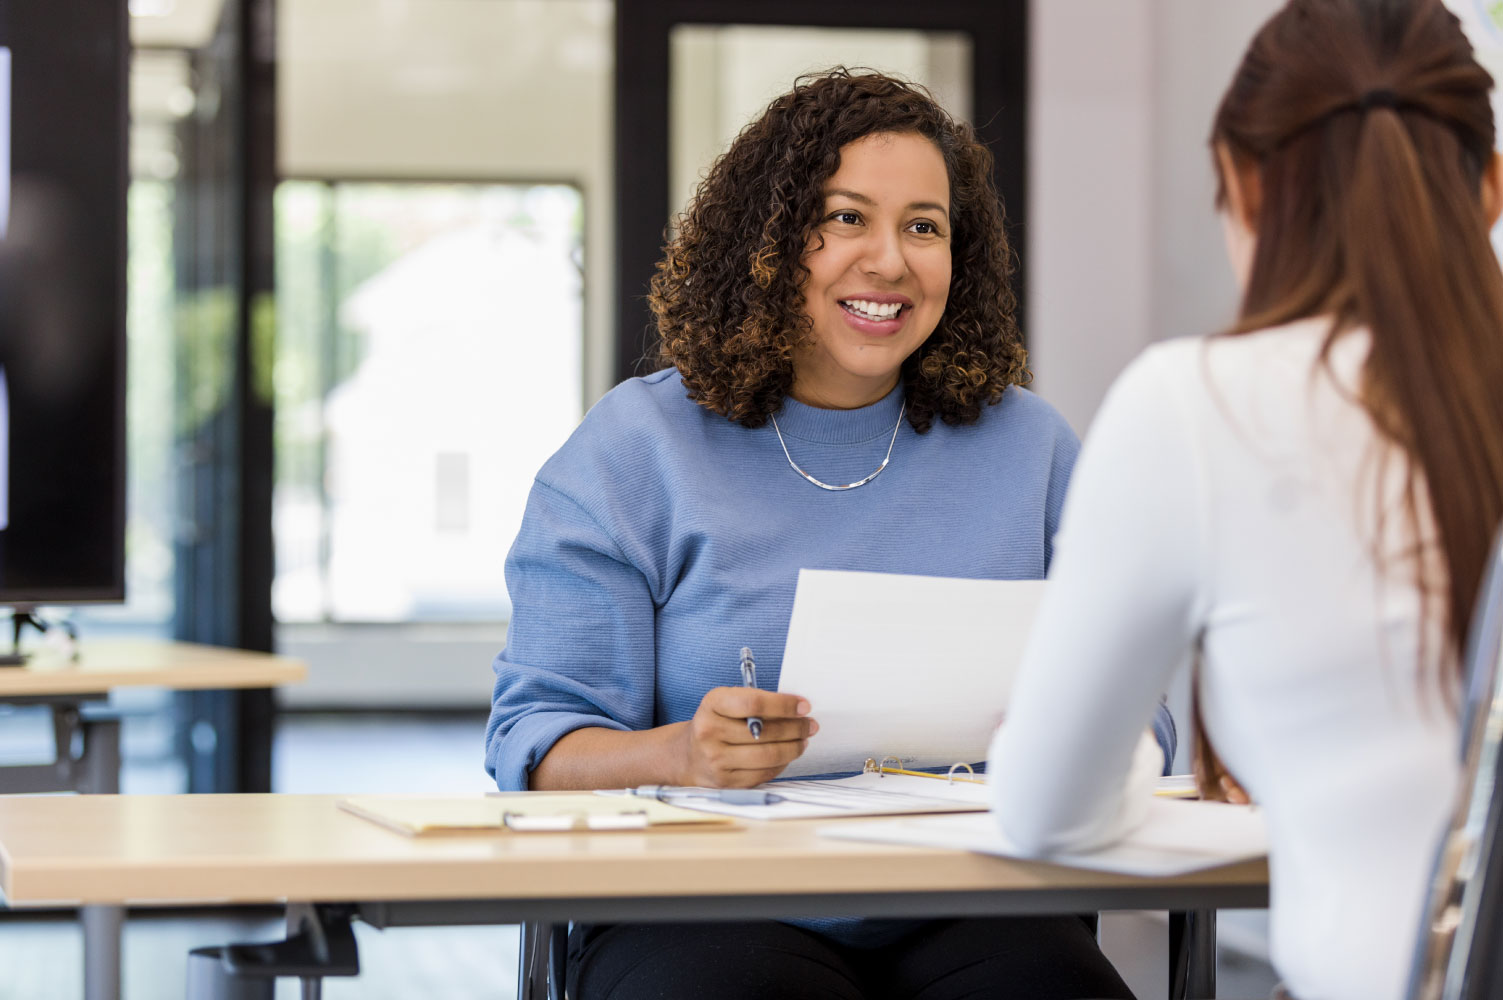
719 750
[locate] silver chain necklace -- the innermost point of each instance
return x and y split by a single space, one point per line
848 486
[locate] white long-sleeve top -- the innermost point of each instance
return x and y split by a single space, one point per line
1228 495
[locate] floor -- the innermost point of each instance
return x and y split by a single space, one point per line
40 959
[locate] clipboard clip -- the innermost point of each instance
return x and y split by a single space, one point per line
522 823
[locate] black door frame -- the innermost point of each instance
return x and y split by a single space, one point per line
998 31
225 563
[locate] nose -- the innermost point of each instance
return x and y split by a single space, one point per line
882 256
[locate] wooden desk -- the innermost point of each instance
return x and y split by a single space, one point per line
233 849
181 666
65 686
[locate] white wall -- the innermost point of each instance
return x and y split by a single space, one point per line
1123 245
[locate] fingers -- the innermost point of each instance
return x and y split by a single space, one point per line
1234 792
720 750
743 703
741 765
708 727
751 759
773 730
750 779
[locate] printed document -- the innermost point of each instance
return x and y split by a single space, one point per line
828 798
913 667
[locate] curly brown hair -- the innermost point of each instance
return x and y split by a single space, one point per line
728 293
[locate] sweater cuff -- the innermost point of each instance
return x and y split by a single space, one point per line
530 738
1167 734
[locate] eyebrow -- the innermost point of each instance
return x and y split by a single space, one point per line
857 196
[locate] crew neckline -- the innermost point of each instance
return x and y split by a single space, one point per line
813 423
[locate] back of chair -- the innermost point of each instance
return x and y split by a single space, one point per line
1456 958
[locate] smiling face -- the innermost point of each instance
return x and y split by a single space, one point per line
879 270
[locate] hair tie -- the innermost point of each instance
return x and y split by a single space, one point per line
1379 97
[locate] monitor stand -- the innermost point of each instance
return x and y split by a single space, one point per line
20 618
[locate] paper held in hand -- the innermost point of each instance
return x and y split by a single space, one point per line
918 667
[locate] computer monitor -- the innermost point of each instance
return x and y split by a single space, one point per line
63 89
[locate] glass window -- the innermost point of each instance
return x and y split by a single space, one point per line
444 316
429 351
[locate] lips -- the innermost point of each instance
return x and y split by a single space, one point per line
877 316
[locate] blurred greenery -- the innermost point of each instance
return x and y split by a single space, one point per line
150 388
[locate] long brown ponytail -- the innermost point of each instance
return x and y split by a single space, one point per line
1370 127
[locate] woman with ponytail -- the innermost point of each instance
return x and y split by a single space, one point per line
1304 503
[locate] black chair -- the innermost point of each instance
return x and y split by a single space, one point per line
542 961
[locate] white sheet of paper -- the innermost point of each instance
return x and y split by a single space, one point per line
1177 838
917 667
4 140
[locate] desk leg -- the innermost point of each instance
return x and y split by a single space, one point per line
102 925
1192 955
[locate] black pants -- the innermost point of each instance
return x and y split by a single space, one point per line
1015 958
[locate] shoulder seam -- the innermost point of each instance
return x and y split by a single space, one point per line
620 553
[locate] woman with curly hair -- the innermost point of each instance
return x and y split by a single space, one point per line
842 390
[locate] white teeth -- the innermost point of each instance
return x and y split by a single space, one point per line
873 310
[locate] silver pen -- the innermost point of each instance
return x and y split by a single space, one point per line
749 679
730 796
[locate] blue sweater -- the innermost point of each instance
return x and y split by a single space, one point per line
662 538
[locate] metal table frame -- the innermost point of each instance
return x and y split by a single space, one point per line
1192 951
95 769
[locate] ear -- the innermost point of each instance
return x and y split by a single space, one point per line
1492 189
1244 189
